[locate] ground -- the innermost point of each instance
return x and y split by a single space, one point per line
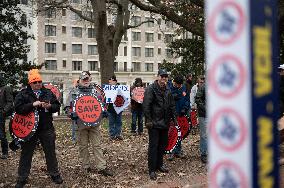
127 158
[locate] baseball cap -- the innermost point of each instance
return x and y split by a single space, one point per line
162 72
84 75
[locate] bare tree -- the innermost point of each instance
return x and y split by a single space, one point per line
108 36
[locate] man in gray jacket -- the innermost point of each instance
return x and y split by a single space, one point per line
6 106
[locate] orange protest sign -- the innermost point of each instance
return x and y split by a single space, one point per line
138 94
88 109
23 127
54 90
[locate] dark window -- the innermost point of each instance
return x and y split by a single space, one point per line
93 65
64 63
64 29
76 48
50 47
63 47
50 65
91 33
76 65
50 30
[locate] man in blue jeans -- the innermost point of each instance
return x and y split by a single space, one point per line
115 122
137 110
200 100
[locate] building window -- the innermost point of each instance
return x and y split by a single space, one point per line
168 38
75 16
50 30
50 47
135 20
93 65
149 67
64 12
76 65
115 66
125 66
159 51
159 21
77 1
169 24
159 36
169 53
92 50
64 63
64 29
50 65
136 51
76 48
24 20
77 32
50 13
136 36
149 52
91 33
149 37
136 67
125 51
150 22
64 47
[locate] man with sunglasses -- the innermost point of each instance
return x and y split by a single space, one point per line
159 107
37 97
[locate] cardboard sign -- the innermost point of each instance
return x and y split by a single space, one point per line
138 94
111 91
184 126
174 137
54 89
88 108
120 102
23 127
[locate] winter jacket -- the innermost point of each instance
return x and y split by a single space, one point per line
200 100
6 100
24 105
158 106
181 100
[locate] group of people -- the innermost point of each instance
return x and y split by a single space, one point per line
163 102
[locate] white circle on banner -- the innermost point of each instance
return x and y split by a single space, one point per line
228 129
227 174
227 76
226 23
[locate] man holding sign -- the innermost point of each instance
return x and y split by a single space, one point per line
37 97
85 102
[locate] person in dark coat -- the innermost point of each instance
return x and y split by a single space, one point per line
159 108
137 110
37 97
6 106
200 100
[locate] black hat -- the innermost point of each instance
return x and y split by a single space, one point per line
84 74
113 78
162 72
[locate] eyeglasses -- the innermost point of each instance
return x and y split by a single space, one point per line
37 82
164 76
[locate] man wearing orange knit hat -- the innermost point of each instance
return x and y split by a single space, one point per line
37 97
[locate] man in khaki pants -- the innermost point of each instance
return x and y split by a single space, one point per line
88 135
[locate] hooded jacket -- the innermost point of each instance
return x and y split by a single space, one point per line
6 100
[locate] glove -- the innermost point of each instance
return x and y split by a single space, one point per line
182 112
149 125
105 114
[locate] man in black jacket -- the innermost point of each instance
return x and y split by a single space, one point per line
159 107
6 105
36 97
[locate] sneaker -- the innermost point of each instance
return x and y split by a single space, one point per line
153 175
106 172
203 159
57 179
119 137
4 156
171 157
163 169
21 183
